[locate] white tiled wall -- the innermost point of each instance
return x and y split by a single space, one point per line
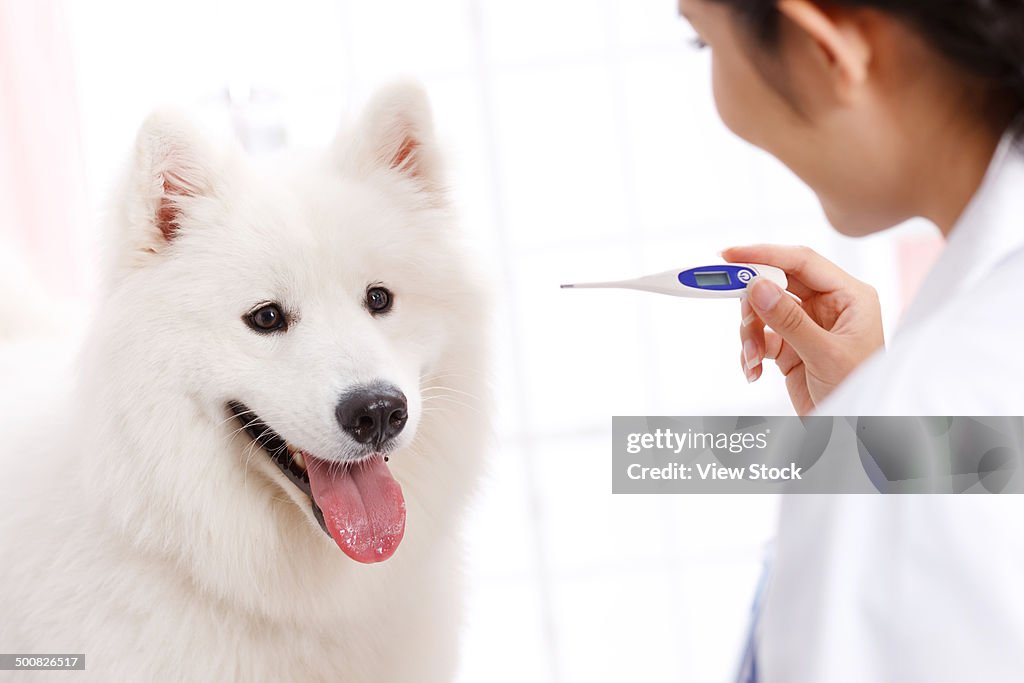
585 145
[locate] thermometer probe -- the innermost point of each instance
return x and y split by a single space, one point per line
722 281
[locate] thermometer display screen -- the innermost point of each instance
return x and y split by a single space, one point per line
712 279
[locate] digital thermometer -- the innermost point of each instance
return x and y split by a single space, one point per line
723 281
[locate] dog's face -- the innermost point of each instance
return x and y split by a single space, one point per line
301 308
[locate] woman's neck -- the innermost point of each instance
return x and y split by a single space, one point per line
952 155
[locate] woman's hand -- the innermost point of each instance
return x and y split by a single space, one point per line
816 339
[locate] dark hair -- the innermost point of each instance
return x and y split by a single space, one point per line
984 37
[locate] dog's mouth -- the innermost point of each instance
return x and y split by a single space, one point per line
358 504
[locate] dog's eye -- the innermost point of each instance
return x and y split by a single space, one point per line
378 300
266 318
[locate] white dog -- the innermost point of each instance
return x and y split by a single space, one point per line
274 426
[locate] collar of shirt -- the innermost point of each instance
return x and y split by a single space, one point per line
989 230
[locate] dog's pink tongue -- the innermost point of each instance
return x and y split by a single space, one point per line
363 507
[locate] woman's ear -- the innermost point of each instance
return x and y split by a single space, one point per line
840 38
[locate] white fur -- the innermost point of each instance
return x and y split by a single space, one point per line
141 528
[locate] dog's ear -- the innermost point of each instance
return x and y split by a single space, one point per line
173 166
395 134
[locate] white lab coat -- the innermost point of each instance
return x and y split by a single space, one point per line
909 588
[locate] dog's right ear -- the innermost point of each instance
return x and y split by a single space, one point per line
173 167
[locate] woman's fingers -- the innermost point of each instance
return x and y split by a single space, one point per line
758 344
747 315
753 374
805 265
799 289
776 349
751 342
782 313
799 393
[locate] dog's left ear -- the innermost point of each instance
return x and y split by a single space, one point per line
395 134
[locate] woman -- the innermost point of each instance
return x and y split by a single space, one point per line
888 110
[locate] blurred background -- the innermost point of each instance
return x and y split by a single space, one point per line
584 144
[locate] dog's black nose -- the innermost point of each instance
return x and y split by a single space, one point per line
373 414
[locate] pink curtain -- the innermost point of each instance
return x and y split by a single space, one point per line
41 179
915 256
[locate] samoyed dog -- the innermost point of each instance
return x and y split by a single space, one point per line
258 467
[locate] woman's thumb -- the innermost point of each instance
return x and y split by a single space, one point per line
784 315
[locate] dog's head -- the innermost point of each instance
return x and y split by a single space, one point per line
304 310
